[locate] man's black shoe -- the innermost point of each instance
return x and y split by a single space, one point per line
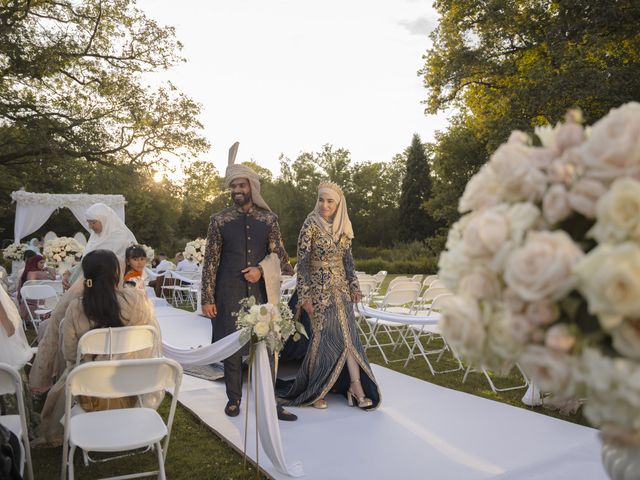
233 408
286 416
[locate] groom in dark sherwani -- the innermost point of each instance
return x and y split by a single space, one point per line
239 238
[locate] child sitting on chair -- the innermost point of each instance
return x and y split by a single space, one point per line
136 260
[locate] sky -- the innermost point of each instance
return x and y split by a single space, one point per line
288 76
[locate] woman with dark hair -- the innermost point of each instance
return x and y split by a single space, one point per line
101 305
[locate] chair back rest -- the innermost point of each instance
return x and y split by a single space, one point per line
402 278
437 284
398 297
185 277
432 292
406 285
366 288
55 284
37 292
116 341
121 378
10 382
429 280
417 278
436 304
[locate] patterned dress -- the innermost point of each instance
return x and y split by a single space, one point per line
326 277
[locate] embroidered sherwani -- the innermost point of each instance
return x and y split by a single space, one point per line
326 278
236 240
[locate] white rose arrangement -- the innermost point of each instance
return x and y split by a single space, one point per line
15 251
63 250
194 250
265 322
545 265
150 252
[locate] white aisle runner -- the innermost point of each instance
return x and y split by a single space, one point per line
421 431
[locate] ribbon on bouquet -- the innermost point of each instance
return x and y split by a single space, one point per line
268 429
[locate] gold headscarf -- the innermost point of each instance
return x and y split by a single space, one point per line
341 225
242 171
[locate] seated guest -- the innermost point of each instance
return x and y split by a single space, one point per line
34 269
184 265
101 305
135 259
163 264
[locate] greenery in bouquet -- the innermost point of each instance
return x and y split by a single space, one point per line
194 250
63 250
545 265
15 252
269 323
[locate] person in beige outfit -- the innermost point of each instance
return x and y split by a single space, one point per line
101 305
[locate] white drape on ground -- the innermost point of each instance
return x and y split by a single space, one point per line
268 428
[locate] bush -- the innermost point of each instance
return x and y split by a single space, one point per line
421 265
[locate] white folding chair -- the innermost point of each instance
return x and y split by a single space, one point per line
11 383
424 306
123 429
491 383
431 332
40 294
116 341
397 301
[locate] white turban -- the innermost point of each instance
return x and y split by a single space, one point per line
235 171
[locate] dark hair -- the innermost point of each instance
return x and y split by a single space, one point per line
133 251
101 271
28 254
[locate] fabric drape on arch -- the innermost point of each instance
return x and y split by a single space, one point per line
34 209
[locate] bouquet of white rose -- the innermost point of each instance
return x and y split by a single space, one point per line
194 250
268 323
63 250
150 253
545 265
15 251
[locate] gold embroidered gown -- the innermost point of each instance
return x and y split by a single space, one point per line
326 277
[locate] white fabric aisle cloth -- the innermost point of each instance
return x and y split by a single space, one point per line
268 427
397 317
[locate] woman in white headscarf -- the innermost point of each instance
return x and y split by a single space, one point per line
108 231
14 347
327 289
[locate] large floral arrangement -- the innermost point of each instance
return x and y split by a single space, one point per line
194 250
150 252
265 322
15 251
63 250
545 265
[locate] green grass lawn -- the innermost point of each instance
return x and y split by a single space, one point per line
195 452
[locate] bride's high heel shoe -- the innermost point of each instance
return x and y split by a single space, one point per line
362 402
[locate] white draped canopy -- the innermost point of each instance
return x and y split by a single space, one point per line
34 209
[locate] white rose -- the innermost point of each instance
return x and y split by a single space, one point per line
261 328
451 265
522 217
513 165
584 196
506 334
480 283
559 338
461 325
542 267
486 232
562 171
456 231
555 204
482 191
618 213
551 371
609 278
569 135
541 313
613 149
626 338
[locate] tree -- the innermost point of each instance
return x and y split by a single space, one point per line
415 224
516 64
72 86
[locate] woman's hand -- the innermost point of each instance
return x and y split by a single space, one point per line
308 307
356 297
